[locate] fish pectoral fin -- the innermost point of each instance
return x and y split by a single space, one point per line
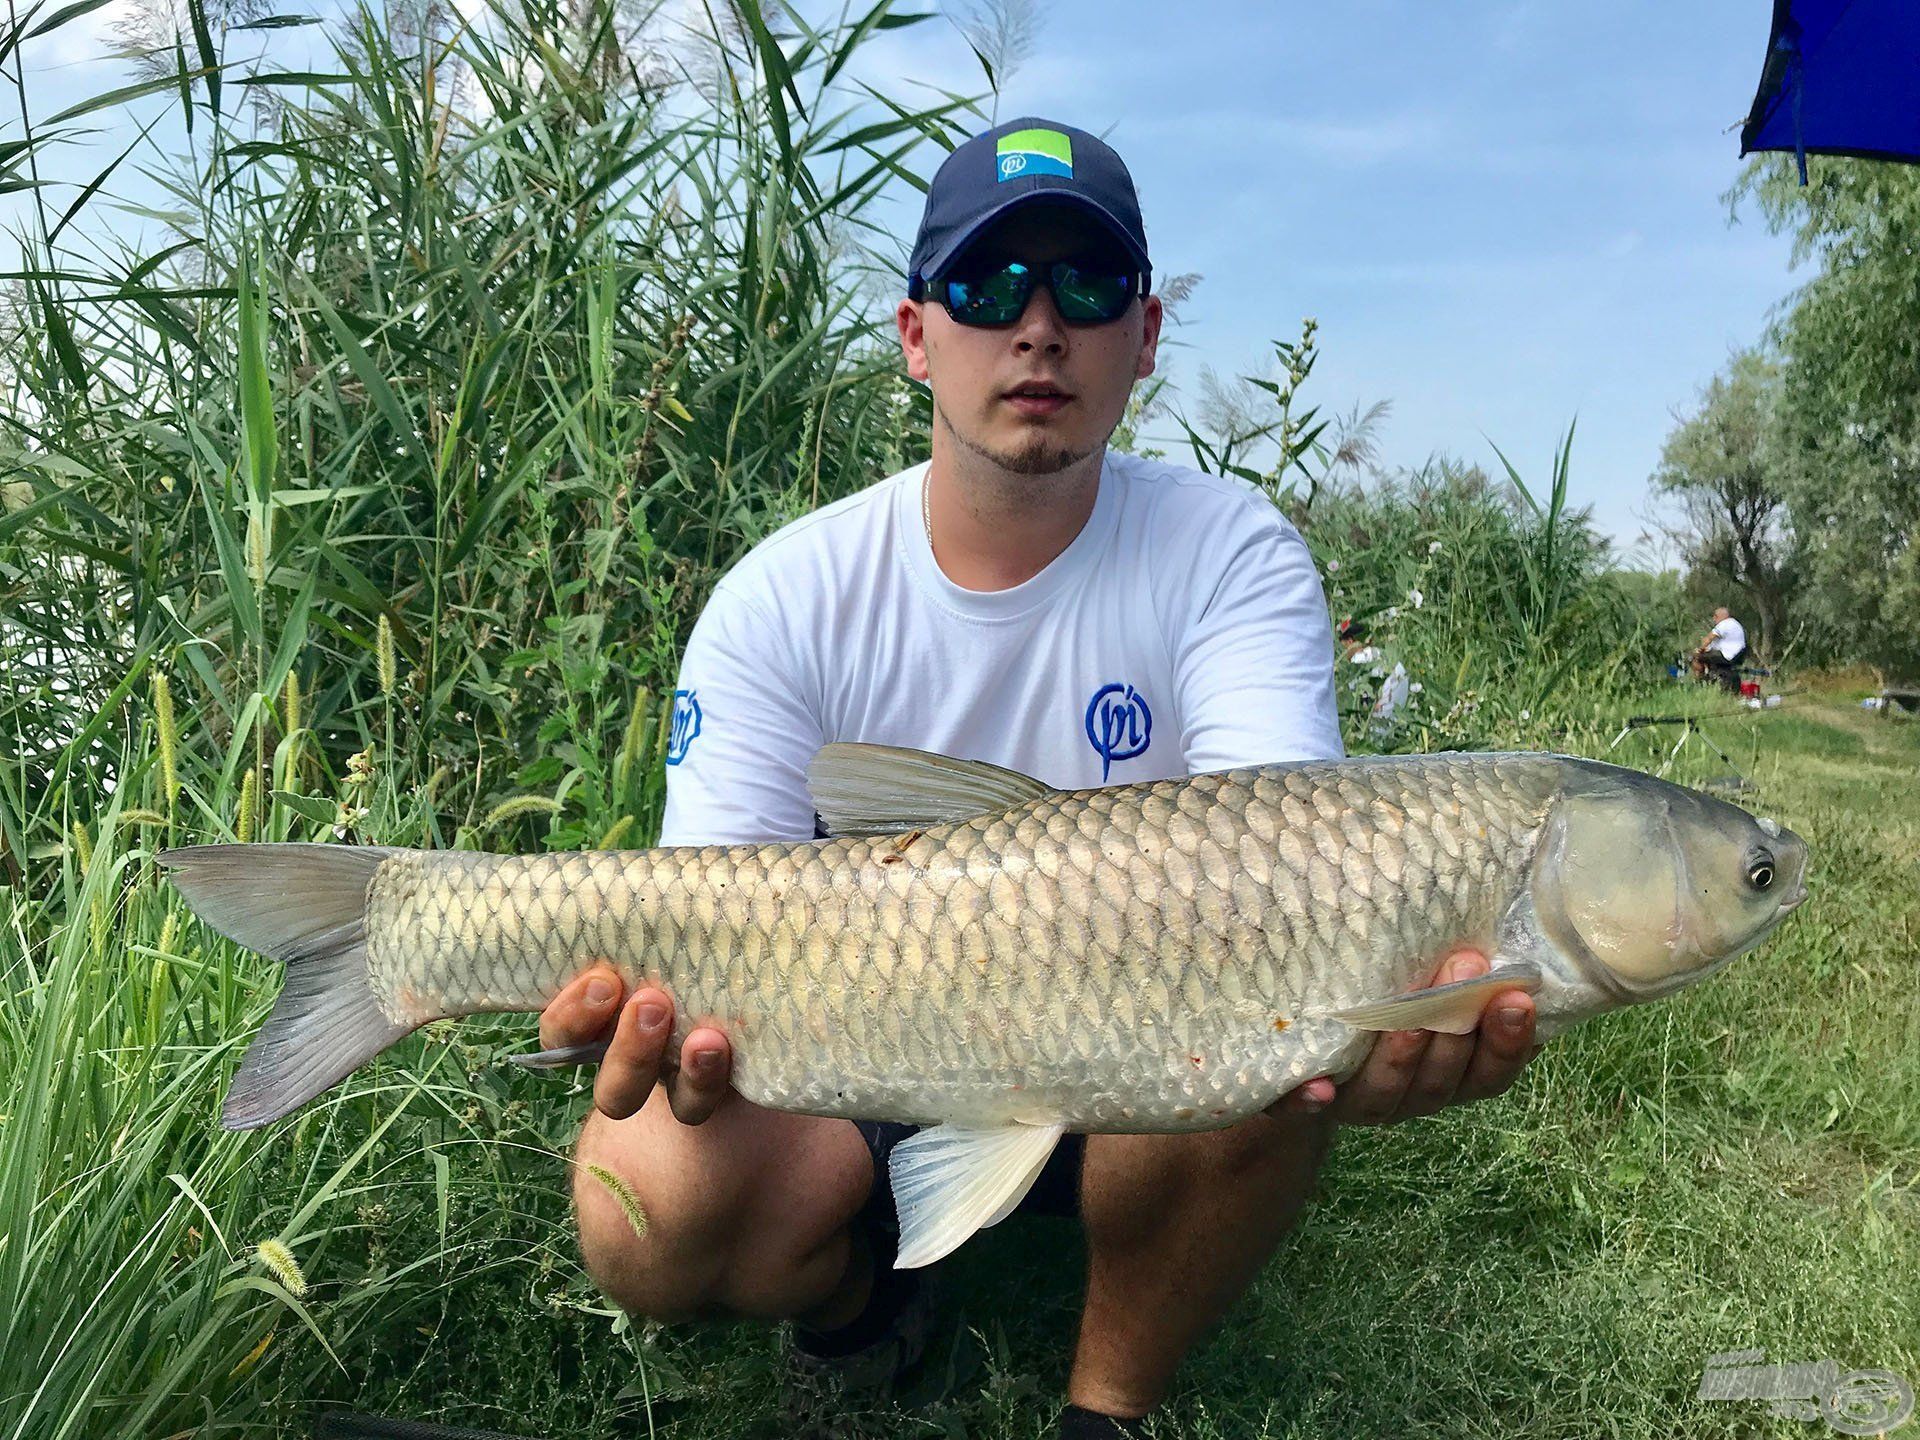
591 1053
951 1180
1453 1009
881 789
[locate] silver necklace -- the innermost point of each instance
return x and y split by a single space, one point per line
926 505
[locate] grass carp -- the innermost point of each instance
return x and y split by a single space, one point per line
976 952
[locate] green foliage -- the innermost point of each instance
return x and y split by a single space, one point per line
497 347
1506 611
376 501
1842 449
1721 464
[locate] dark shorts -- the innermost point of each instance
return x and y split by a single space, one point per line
1055 1192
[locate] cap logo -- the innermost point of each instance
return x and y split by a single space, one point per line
1034 152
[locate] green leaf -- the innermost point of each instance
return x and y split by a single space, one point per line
258 441
114 97
308 807
361 363
64 14
60 336
209 57
442 1178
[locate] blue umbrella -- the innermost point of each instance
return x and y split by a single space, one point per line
1842 78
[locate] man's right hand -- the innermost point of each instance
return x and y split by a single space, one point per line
636 1059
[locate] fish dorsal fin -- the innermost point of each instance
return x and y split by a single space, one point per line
881 789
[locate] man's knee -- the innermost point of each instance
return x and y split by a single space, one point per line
633 1230
746 1214
1130 1182
1284 1143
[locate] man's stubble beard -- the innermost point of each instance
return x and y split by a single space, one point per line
1041 455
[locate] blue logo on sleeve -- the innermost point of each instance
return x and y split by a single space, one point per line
686 725
1119 725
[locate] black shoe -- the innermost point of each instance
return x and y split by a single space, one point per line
1078 1424
828 1390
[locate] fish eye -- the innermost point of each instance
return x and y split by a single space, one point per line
1760 871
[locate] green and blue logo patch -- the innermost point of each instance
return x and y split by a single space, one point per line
1034 152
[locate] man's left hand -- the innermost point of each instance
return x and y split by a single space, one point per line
1416 1072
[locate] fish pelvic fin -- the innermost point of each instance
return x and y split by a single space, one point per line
304 905
591 1053
882 789
952 1180
1452 1009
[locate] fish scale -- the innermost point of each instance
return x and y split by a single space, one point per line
961 975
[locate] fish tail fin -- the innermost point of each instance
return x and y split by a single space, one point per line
306 906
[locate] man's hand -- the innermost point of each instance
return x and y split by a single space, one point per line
636 1059
1416 1072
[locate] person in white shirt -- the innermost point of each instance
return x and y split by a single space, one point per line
1028 597
1722 650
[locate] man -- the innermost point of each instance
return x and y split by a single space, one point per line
1029 598
1722 650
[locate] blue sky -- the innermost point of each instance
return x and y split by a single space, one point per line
1503 213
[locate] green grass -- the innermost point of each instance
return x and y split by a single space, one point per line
1738 1167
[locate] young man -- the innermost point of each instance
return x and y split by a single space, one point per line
1030 598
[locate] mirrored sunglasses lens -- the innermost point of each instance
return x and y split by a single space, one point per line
991 298
1092 294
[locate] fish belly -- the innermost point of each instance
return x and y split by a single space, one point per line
1150 957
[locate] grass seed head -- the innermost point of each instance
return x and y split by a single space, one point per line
629 1202
278 1259
249 791
169 737
522 805
388 661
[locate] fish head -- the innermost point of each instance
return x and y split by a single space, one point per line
1649 886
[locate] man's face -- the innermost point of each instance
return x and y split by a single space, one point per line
971 369
1722 614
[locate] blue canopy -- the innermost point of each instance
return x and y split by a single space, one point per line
1842 78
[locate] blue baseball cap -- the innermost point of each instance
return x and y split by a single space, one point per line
1017 163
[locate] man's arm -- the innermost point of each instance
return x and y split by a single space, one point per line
736 773
1255 676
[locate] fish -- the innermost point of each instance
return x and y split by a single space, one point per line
976 952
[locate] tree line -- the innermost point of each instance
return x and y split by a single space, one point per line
1792 481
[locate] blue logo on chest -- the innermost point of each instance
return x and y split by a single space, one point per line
1119 725
686 725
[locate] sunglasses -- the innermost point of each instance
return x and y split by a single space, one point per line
1084 292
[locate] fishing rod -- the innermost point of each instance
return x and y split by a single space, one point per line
1690 726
